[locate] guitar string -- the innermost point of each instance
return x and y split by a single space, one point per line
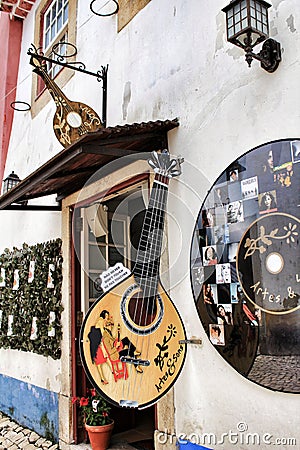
142 254
157 244
160 212
150 250
152 253
156 208
151 279
141 260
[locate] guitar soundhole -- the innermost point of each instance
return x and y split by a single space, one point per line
142 310
74 119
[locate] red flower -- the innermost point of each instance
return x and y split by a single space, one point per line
84 401
95 411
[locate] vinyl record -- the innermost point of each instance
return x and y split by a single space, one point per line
245 265
266 263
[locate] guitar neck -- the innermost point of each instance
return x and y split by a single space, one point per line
52 87
146 269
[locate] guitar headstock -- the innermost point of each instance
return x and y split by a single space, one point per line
39 65
163 164
37 59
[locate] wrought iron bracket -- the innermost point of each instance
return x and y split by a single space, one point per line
101 74
269 56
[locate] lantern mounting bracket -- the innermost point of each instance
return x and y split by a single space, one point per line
269 56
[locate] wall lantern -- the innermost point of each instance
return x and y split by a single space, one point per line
247 25
11 181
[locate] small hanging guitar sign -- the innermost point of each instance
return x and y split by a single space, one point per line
132 338
71 119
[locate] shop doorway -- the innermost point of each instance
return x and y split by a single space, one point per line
105 232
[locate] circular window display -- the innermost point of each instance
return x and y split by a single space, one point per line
245 265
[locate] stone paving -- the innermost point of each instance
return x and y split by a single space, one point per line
281 373
15 437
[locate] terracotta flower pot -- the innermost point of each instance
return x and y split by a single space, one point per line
100 435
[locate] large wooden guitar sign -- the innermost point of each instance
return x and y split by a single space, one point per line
71 119
131 338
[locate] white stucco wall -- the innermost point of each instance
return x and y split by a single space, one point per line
30 227
173 60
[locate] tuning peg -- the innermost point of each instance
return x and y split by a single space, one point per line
151 163
173 163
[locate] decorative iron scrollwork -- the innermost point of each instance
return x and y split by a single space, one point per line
33 50
102 73
108 14
59 57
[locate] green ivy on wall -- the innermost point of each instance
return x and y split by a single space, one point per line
31 303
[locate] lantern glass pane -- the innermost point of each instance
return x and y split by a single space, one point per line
265 19
230 33
237 18
244 4
265 29
252 12
244 23
230 22
230 13
244 13
237 28
237 8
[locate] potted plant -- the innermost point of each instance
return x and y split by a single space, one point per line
96 419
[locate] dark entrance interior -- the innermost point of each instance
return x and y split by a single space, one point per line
133 427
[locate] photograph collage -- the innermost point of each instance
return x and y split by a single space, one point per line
264 181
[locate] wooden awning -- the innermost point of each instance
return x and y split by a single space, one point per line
70 169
